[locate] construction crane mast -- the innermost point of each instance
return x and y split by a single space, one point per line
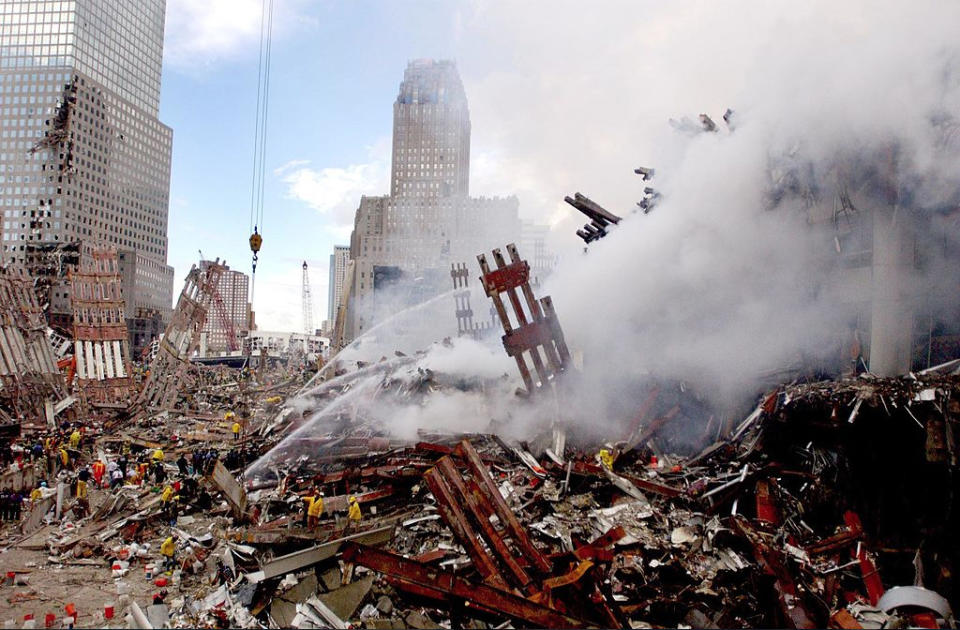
307 302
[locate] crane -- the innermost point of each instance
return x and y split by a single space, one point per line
307 302
260 147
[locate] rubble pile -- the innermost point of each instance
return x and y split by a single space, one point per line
422 491
775 526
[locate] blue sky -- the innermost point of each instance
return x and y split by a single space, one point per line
330 108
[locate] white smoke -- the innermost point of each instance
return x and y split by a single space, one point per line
711 287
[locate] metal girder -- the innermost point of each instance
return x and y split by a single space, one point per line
448 585
771 561
457 521
520 340
232 491
506 516
312 555
766 504
537 330
506 277
481 517
871 577
182 337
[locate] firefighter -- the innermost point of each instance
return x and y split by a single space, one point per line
83 503
354 514
314 510
99 468
606 458
168 549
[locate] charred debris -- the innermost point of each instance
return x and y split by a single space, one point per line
176 495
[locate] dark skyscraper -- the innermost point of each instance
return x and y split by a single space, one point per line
83 156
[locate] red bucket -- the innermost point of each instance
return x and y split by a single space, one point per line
161 582
108 610
49 619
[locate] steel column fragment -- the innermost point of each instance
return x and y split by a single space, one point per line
522 321
538 330
313 555
771 561
481 516
488 488
182 336
445 583
464 532
491 286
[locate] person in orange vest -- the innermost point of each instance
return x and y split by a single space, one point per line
141 476
98 468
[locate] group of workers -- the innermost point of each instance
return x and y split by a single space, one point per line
313 509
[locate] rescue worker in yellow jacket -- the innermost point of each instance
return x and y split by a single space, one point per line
83 503
606 458
168 549
314 510
75 439
354 512
236 430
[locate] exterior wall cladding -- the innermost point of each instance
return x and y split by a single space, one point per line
96 65
429 220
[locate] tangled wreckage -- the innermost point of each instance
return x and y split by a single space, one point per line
287 497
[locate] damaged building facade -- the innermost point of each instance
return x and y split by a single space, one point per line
893 254
83 156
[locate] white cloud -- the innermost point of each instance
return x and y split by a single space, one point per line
213 30
335 191
327 189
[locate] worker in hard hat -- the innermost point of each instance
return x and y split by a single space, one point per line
229 416
83 503
314 510
64 457
354 513
98 468
236 430
75 439
168 549
606 458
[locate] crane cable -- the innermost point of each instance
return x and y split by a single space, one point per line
260 137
